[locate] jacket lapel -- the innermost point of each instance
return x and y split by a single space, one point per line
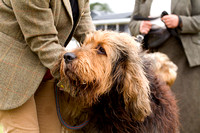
69 10
173 5
80 6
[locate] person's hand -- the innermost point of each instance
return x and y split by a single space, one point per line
171 21
145 26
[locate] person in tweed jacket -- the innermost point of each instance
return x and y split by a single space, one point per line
32 38
184 51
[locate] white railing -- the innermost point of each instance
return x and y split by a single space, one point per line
116 22
112 21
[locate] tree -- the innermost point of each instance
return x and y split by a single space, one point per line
100 7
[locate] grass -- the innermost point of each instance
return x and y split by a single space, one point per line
1 129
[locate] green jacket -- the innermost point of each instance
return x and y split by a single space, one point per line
32 36
189 11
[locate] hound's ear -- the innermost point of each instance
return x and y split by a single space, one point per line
162 66
136 91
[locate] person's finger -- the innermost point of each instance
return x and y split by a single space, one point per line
148 23
166 17
144 31
167 23
170 25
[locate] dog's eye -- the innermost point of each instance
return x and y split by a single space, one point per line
101 50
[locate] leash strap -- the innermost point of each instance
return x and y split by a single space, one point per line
60 116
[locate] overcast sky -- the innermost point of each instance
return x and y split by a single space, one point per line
118 6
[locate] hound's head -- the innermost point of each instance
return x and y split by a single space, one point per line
107 60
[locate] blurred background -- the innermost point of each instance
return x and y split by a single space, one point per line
117 6
112 15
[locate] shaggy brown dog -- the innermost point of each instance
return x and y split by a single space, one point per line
109 86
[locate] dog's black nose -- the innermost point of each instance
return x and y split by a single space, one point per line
69 57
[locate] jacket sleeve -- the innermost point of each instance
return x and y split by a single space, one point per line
134 25
191 24
36 21
85 24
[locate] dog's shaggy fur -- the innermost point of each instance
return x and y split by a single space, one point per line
162 67
114 85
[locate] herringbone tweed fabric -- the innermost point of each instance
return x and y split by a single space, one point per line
32 36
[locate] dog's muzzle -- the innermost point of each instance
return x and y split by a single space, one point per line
69 57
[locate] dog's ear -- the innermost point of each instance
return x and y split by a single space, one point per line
162 66
130 81
129 74
136 92
168 72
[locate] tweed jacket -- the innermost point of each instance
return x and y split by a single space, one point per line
189 11
32 36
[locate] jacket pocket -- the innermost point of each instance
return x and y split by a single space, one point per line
5 39
196 38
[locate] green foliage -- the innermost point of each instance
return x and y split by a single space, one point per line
100 7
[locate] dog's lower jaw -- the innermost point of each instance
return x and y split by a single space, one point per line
72 112
84 93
